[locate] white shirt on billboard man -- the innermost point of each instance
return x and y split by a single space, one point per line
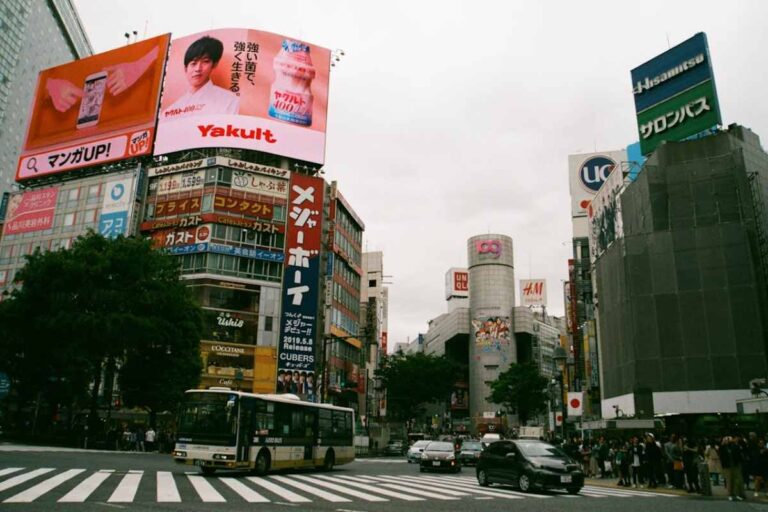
202 96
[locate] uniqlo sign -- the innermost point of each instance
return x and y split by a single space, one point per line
301 281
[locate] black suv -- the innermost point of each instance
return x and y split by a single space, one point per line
529 464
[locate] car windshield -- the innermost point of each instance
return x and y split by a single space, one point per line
540 450
440 447
471 446
420 444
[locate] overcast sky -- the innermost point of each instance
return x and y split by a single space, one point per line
449 119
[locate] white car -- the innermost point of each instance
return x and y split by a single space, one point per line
415 451
489 438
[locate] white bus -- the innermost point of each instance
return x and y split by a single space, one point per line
223 429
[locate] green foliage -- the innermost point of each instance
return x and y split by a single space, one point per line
114 303
414 380
522 390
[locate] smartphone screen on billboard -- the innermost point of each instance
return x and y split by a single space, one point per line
93 97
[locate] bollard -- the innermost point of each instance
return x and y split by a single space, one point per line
705 482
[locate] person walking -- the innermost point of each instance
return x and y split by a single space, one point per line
652 460
690 465
622 461
731 459
149 439
759 464
635 453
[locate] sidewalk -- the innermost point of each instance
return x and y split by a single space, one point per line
718 491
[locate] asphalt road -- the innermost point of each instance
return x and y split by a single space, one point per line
43 479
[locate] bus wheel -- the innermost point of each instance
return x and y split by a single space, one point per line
207 470
330 461
262 463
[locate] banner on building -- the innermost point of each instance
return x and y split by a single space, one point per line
30 211
246 89
301 287
604 213
492 334
94 110
587 173
116 207
456 283
575 403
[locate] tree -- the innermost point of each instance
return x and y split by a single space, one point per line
414 380
521 390
100 307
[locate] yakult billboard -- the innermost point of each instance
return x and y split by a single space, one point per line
587 173
245 89
94 110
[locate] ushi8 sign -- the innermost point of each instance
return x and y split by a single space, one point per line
245 89
94 110
301 281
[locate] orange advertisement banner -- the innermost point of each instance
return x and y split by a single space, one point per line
94 110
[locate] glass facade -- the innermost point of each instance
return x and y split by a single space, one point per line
682 297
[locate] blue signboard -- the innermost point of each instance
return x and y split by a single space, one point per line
674 71
5 385
245 252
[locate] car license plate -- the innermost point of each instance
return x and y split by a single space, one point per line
565 479
436 463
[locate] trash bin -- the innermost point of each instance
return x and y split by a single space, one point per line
705 482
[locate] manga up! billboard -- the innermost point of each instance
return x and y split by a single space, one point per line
245 89
301 288
675 95
94 110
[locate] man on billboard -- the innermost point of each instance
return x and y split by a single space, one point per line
203 96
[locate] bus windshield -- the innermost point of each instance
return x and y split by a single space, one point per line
208 418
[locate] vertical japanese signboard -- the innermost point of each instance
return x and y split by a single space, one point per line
116 207
675 95
301 285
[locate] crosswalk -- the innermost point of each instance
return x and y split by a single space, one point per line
77 485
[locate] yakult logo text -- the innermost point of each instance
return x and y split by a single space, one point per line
595 171
489 247
211 130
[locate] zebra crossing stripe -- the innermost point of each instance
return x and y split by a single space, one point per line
358 494
473 482
43 487
20 479
436 482
166 488
8 471
422 485
408 489
370 488
126 490
312 490
618 492
287 495
81 493
205 490
244 491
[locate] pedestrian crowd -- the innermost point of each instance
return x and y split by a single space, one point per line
677 462
136 439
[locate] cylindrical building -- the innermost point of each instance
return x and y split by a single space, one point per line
491 299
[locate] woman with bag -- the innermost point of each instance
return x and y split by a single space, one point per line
712 456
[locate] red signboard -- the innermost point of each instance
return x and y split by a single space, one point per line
31 211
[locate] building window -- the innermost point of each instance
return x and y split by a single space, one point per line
89 216
69 219
371 283
74 194
268 324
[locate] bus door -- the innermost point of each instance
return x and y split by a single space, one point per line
310 434
245 428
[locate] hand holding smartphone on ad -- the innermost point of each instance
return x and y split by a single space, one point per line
93 99
64 94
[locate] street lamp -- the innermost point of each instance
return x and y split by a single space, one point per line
559 357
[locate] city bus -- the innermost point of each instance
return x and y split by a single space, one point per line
219 428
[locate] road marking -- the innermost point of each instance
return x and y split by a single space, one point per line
436 482
618 492
8 471
423 485
370 488
317 492
404 488
280 491
362 495
126 490
20 479
166 488
205 490
244 491
85 488
471 482
43 487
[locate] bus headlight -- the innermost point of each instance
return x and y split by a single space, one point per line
223 456
178 453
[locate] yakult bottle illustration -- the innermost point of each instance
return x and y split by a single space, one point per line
290 95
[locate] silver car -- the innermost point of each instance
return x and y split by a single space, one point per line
415 451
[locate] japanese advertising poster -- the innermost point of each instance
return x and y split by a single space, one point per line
492 333
245 89
31 211
301 283
117 207
94 110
